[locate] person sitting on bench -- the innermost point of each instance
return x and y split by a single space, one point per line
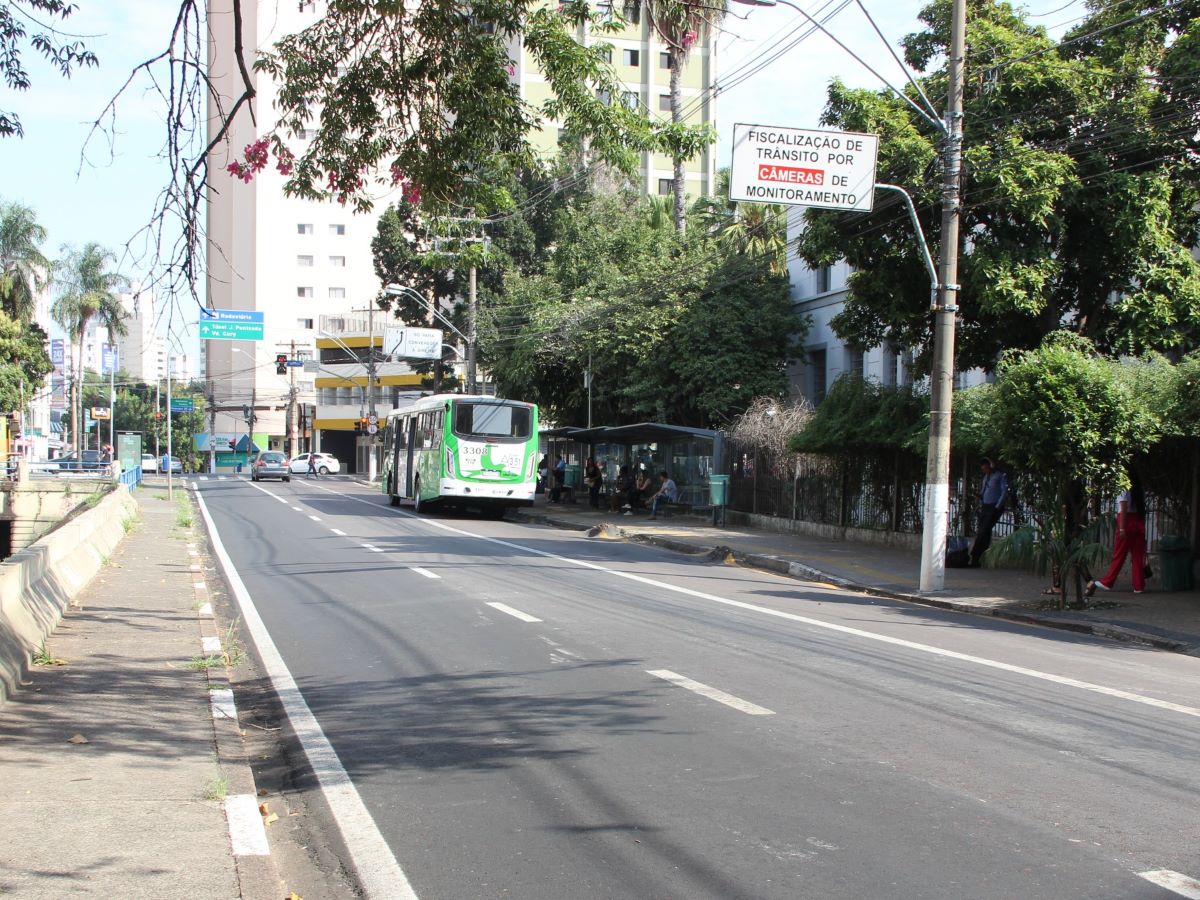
664 495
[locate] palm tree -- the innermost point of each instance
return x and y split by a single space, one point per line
680 24
24 270
88 291
754 229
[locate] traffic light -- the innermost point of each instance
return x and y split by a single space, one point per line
281 364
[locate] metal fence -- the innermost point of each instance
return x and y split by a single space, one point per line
887 494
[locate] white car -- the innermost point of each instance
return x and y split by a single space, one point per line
326 464
149 462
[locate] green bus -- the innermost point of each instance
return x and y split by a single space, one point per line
461 450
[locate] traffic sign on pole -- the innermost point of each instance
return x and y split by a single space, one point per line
798 167
231 325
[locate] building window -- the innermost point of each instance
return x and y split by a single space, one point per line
664 60
824 280
562 135
605 53
631 57
304 228
630 99
633 12
306 134
304 260
604 97
304 355
855 362
664 102
665 186
337 261
304 292
337 293
337 229
816 376
304 323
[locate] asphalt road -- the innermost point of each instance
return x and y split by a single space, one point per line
531 713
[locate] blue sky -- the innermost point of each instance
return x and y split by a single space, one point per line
109 193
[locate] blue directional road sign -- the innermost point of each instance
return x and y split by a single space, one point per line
231 325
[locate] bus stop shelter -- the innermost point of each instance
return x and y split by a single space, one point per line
690 455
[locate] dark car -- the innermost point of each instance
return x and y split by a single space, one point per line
92 459
269 464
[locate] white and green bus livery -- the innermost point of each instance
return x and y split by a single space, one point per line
461 450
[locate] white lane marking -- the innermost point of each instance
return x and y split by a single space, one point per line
424 572
805 620
222 704
205 610
211 645
372 548
338 532
1174 881
270 494
204 478
315 518
515 613
297 509
558 649
246 831
378 871
712 693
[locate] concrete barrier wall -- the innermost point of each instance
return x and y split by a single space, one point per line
38 582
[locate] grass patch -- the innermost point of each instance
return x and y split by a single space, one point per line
204 663
217 788
183 510
43 657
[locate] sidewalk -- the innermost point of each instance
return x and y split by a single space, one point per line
1170 621
115 763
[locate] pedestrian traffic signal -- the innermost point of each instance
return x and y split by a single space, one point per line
232 444
281 366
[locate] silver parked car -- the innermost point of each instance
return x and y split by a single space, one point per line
269 464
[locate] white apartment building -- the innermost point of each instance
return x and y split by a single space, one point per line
290 259
142 350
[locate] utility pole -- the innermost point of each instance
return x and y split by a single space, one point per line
112 397
291 411
937 472
157 410
170 477
472 313
372 464
589 387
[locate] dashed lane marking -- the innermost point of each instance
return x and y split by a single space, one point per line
424 572
315 518
372 548
338 532
971 659
1176 882
712 693
515 613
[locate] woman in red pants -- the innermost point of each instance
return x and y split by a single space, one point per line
1131 539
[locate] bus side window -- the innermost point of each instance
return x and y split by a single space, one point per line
401 428
435 429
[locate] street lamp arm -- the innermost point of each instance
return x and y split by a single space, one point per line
932 120
398 290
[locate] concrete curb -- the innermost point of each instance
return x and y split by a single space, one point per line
257 876
801 571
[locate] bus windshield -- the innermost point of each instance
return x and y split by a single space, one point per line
492 420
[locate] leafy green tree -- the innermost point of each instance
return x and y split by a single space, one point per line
671 327
88 291
23 361
1066 422
680 24
1080 186
756 229
56 46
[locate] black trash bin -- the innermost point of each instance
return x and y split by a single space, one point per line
1175 557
